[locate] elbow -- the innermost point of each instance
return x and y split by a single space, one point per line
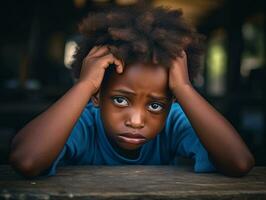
24 166
243 167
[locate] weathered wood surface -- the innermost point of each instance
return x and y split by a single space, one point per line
132 182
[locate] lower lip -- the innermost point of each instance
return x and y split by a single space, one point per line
132 140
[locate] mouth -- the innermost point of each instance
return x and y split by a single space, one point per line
132 138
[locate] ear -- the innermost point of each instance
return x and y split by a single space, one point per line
96 99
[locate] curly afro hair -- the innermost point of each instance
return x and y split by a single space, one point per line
147 34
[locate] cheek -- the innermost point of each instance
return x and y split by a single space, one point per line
112 119
155 124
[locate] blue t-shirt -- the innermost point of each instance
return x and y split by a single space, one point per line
89 145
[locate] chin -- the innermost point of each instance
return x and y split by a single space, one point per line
129 147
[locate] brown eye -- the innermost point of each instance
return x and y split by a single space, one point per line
155 107
120 101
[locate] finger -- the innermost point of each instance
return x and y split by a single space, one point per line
119 66
111 59
183 54
101 51
119 62
182 58
93 50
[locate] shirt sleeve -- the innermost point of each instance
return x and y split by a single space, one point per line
185 143
76 145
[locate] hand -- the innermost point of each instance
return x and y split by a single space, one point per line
94 65
178 74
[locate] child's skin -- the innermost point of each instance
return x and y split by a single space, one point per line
133 102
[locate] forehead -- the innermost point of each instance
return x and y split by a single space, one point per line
141 78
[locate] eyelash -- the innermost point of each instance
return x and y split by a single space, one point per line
158 104
126 103
117 103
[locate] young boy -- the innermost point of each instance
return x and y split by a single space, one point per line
133 102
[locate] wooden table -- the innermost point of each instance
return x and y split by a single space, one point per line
132 182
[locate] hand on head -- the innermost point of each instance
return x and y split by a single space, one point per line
178 74
95 63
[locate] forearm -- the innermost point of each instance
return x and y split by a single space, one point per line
226 148
40 141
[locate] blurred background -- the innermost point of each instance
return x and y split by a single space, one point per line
37 39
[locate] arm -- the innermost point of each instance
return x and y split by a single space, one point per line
224 145
36 145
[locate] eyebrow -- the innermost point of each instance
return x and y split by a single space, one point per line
151 96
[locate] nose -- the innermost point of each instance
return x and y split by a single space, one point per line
135 120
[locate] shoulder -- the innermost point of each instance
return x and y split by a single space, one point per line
177 115
175 108
88 114
84 129
177 123
86 122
